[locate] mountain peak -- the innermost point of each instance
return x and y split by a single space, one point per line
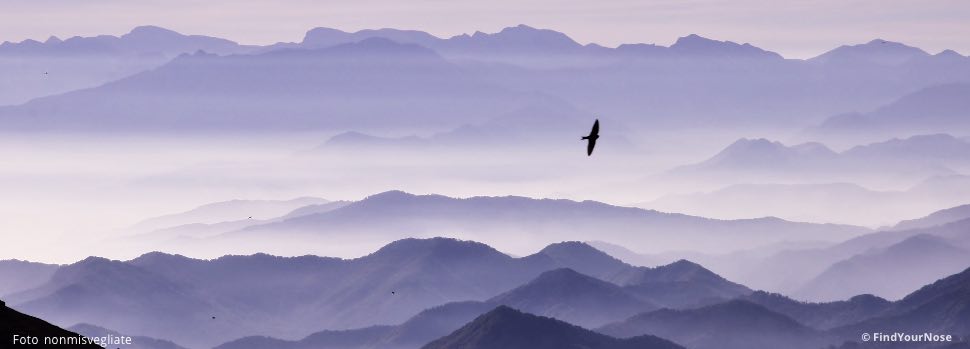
563 280
877 51
581 255
949 53
391 195
150 32
762 152
579 299
507 328
577 247
323 34
522 36
694 44
446 250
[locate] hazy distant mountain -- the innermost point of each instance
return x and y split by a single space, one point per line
700 47
936 218
540 124
761 160
820 202
929 149
154 233
934 109
790 269
225 211
734 324
530 59
357 140
137 342
368 85
877 51
508 328
34 69
706 82
822 316
521 45
143 40
912 263
13 323
506 221
173 297
575 298
950 187
19 275
765 155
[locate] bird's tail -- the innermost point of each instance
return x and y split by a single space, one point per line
585 137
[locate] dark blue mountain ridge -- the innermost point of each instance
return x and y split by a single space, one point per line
505 327
313 293
732 324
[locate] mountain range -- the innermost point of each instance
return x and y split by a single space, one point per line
932 109
479 75
819 202
27 274
917 251
913 262
763 320
34 69
728 316
505 221
351 85
855 263
201 303
763 161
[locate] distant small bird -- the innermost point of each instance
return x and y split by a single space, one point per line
213 318
593 135
250 217
392 292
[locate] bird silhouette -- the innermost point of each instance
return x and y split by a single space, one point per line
591 139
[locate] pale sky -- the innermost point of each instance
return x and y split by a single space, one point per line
796 29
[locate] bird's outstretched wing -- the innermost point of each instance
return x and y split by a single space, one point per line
596 128
590 146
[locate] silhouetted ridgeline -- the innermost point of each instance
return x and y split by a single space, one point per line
14 323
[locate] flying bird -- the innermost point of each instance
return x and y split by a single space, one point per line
591 139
